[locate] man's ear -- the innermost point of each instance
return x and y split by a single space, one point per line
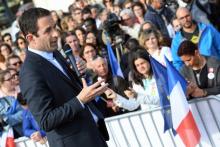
29 37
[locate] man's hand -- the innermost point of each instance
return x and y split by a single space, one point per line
88 93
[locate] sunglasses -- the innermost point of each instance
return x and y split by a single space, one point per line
17 63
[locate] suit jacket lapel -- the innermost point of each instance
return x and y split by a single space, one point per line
45 63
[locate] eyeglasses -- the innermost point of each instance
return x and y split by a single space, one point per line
127 19
16 63
9 79
186 16
15 74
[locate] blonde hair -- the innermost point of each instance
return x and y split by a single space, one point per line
144 35
64 22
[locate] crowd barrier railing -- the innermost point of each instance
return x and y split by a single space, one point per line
145 128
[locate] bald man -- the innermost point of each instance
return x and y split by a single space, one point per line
209 42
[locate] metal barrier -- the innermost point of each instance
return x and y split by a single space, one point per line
26 142
145 128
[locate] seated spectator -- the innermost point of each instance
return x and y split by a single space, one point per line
203 73
30 127
10 109
151 40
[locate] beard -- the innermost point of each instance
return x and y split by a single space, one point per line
188 24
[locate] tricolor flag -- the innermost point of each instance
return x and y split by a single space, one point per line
160 75
7 138
183 121
115 67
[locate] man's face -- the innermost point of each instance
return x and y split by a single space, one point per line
15 63
73 43
127 20
77 15
101 67
185 18
47 35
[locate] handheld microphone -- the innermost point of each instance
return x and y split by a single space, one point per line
68 51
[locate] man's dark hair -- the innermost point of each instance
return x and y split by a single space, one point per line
86 10
28 20
187 48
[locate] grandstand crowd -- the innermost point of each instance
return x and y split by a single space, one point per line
136 29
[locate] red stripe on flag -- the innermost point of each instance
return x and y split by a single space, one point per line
188 131
10 142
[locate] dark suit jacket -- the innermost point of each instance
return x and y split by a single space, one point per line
212 86
51 97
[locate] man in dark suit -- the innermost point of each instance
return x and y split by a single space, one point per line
54 94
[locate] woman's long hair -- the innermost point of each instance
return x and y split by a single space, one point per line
135 75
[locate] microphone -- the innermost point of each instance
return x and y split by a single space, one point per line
68 51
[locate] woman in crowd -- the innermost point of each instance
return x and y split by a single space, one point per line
145 92
91 38
21 44
151 40
88 52
80 33
10 109
5 50
139 12
68 23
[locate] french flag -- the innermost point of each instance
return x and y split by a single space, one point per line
183 121
7 138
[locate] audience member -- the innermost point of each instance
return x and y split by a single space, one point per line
202 73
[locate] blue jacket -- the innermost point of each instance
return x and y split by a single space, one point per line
10 110
209 43
156 18
30 125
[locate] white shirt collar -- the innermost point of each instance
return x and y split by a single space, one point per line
44 54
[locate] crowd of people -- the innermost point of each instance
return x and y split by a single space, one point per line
136 29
